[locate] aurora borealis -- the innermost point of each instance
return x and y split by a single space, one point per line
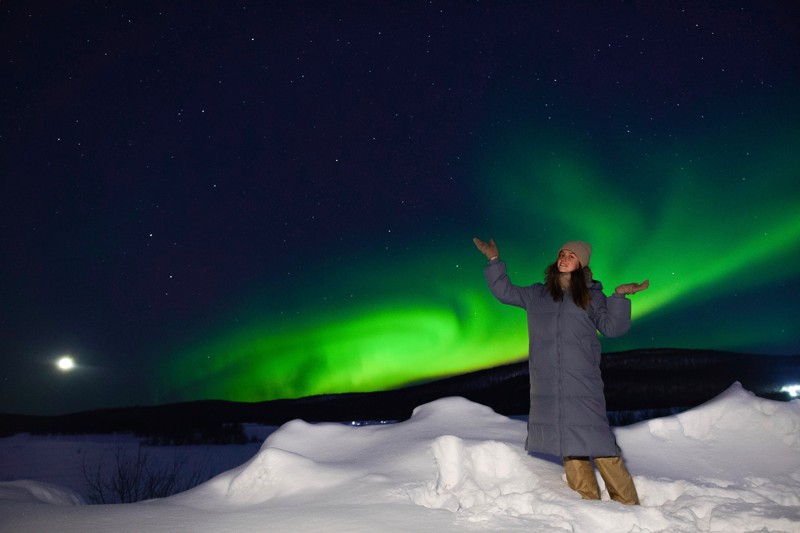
437 303
259 201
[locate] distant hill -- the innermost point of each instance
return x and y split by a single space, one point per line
639 384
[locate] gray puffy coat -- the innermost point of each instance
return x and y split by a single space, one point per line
568 407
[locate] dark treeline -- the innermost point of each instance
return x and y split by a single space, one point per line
640 384
669 378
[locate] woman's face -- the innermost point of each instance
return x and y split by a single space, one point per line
567 261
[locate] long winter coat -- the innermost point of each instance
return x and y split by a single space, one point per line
568 407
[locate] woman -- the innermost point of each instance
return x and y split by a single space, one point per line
568 409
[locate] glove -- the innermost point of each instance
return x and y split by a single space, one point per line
632 288
488 249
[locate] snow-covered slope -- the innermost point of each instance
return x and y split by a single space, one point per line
732 464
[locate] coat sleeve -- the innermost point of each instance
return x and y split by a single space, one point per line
611 316
500 285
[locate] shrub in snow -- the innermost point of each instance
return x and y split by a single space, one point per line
135 476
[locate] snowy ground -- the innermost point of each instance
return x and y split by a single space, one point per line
732 464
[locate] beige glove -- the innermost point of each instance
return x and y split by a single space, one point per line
488 249
632 288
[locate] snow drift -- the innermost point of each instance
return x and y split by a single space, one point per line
732 464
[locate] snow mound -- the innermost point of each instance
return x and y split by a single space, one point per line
306 458
25 490
275 472
731 464
704 469
719 438
491 477
733 410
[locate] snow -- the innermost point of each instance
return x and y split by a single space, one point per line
732 464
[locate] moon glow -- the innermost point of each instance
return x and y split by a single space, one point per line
65 363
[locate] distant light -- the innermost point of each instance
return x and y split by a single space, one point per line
66 363
792 390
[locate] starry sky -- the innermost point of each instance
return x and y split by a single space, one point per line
256 200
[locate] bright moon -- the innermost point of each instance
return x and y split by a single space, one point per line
65 363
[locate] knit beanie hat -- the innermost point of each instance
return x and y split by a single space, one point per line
579 248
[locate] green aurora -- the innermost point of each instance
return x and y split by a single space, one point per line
702 218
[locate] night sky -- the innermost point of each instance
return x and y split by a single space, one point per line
259 200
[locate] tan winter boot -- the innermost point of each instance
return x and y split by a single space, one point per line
618 480
580 477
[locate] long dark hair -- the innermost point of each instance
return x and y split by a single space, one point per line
578 285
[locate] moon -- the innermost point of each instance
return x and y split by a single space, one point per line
65 363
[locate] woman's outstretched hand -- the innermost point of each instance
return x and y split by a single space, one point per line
631 288
489 249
